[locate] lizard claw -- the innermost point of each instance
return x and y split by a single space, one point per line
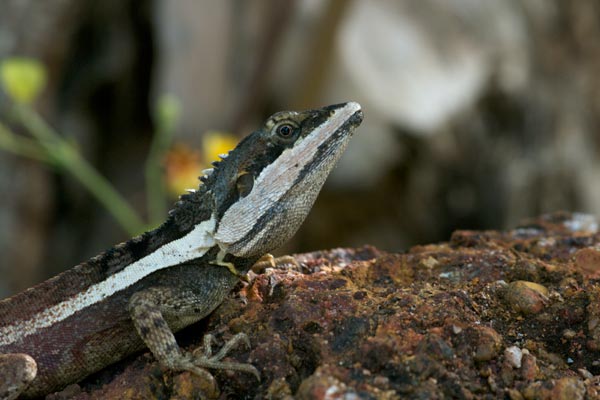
208 360
186 363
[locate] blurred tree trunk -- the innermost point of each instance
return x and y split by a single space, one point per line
99 57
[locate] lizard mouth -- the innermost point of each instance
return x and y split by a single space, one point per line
355 120
352 122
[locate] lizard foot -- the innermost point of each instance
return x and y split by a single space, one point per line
230 266
268 261
196 363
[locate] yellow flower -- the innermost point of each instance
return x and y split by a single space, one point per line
22 78
183 165
215 143
182 168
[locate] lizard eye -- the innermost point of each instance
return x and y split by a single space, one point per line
285 131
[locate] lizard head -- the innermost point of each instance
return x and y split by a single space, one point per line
266 186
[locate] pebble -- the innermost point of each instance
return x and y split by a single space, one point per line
585 374
568 388
526 297
488 344
529 368
513 355
569 334
587 261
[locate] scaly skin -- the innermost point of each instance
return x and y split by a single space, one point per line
140 292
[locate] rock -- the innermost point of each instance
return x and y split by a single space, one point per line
529 368
437 321
322 387
526 297
567 388
488 344
513 355
587 261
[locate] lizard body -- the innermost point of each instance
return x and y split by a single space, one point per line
138 293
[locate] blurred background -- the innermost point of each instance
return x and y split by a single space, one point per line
477 114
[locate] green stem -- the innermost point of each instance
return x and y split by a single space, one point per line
66 156
22 146
155 187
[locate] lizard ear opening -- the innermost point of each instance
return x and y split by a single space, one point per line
244 184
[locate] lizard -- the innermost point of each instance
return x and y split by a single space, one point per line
138 293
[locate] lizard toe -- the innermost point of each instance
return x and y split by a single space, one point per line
187 363
202 357
203 362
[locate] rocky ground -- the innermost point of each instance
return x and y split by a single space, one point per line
488 314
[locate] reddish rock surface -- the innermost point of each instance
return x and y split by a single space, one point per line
490 314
